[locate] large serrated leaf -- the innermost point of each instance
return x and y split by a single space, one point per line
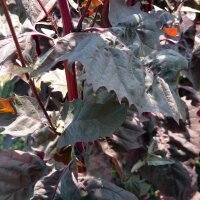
18 173
115 69
89 121
29 118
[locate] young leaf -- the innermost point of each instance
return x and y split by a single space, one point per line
19 171
89 121
156 161
43 140
137 166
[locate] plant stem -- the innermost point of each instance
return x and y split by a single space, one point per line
50 18
105 23
71 78
148 6
23 63
95 17
79 26
68 28
66 16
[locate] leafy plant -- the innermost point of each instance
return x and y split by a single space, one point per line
105 94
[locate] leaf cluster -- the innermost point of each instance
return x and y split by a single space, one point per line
135 124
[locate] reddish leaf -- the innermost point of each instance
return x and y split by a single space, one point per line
18 173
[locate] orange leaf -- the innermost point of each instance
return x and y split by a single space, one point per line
94 4
6 106
171 31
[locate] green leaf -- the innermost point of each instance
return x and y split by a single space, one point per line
19 171
138 165
89 121
148 92
6 86
137 186
28 119
156 161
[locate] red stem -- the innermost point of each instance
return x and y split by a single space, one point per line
38 50
71 78
148 7
71 82
23 63
105 23
47 15
43 8
68 28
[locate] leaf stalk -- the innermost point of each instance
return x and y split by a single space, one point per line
71 77
23 63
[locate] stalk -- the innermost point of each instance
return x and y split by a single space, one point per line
148 6
23 63
71 78
79 26
47 16
105 23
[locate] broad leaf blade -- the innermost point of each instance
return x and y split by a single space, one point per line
167 63
89 121
18 173
136 28
149 93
